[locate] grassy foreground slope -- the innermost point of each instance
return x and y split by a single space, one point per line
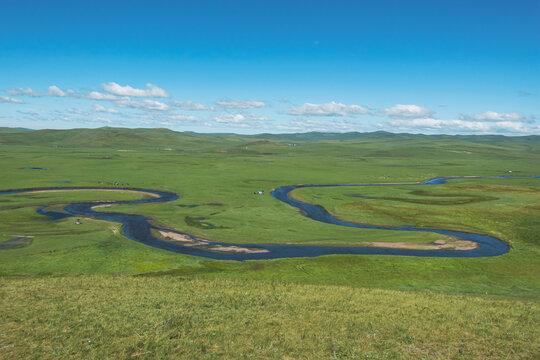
98 317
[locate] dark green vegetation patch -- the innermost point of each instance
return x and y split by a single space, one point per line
15 243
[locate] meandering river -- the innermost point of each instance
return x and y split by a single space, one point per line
139 228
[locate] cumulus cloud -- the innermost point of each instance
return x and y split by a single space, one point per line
190 106
239 120
98 119
460 126
141 104
182 117
94 95
7 99
112 88
150 91
75 111
253 117
31 113
54 90
303 125
241 104
27 92
407 111
103 109
327 109
230 118
495 116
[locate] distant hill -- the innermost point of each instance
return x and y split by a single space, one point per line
110 138
388 135
13 130
313 135
169 139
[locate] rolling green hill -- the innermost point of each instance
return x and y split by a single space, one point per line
143 137
110 138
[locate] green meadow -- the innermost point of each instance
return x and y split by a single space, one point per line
86 291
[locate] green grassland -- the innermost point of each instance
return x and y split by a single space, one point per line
476 205
451 308
100 317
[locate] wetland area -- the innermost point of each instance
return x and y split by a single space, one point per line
138 228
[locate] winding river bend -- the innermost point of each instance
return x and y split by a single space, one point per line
139 228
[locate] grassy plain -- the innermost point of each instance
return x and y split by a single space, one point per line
120 317
301 308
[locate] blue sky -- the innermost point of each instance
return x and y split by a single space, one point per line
272 66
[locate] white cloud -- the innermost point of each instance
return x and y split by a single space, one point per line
182 117
31 113
75 111
94 95
240 120
141 104
407 111
191 106
27 92
151 91
327 109
495 116
460 126
7 99
61 118
98 119
230 118
54 90
257 117
112 88
164 123
304 125
241 104
103 109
